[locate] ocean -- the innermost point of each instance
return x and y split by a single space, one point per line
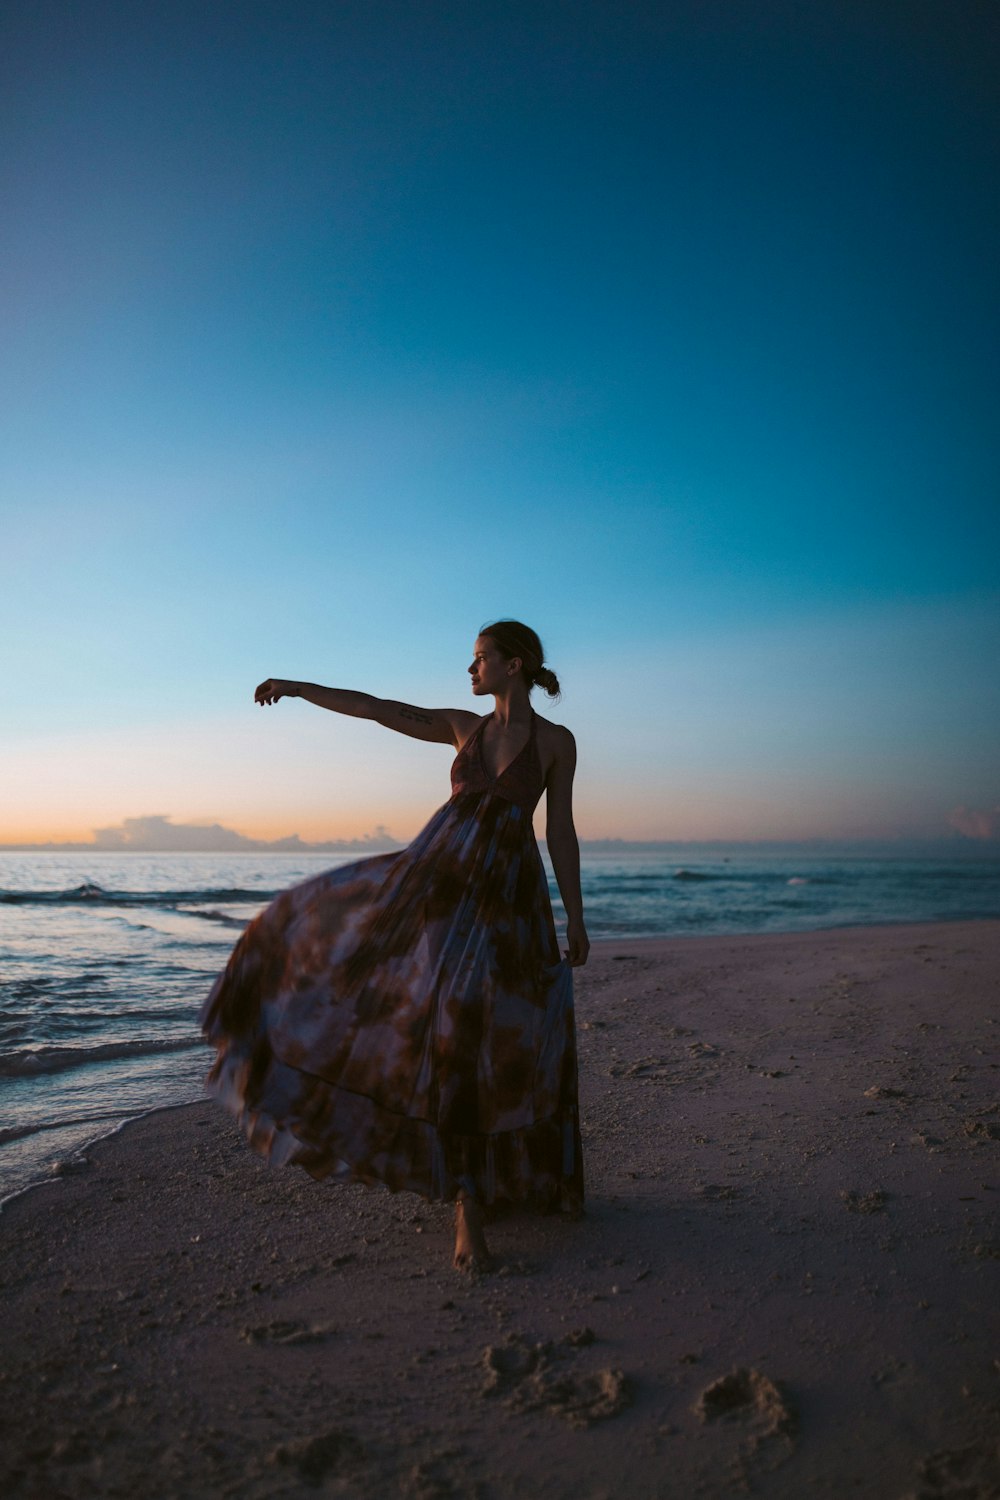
105 958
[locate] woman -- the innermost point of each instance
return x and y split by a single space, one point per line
407 1019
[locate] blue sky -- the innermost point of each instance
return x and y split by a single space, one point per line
333 330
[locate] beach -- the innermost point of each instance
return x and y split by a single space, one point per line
786 1281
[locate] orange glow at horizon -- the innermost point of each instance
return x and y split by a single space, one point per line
688 819
399 821
311 830
295 777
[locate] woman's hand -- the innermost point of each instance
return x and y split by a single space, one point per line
579 944
273 689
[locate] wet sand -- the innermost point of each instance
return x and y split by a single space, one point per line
787 1281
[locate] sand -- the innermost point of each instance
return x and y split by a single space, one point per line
787 1281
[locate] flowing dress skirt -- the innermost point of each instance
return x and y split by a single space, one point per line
407 1019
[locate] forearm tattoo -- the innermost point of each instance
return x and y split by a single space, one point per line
416 715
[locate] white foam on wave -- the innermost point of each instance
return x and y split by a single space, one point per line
51 1169
29 1062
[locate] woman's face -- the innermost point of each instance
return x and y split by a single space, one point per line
488 669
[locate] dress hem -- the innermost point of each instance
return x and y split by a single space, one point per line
350 1137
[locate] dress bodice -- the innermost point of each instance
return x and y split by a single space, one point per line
523 781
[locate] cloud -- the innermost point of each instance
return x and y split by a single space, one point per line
155 833
976 822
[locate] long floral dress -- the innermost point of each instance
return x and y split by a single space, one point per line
407 1019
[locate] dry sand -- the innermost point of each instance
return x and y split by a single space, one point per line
787 1281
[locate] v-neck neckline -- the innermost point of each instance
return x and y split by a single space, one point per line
482 758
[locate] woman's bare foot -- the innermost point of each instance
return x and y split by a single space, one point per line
471 1250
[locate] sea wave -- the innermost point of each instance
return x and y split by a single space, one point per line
222 918
43 1127
756 877
29 1062
89 894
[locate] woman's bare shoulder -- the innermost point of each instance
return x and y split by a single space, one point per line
556 738
464 724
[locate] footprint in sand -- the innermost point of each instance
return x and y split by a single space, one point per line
692 1069
508 1363
533 1377
432 1479
287 1333
646 1067
317 1457
714 1192
864 1203
759 1406
957 1474
748 1393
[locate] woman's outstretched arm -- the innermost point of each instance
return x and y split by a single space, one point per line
564 847
443 726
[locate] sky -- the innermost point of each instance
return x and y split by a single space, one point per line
333 331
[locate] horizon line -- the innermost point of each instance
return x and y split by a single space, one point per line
385 843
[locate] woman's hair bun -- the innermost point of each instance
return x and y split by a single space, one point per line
546 679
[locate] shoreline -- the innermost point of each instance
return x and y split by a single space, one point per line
76 1159
79 1161
792 1146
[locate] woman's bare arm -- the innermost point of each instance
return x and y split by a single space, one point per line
564 847
442 726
